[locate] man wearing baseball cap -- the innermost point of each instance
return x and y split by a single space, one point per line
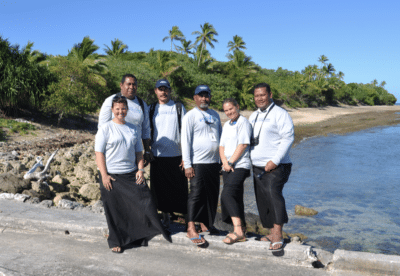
168 184
201 131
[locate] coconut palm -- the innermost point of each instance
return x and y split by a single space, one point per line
206 36
174 34
186 47
236 44
340 75
117 48
33 56
240 60
83 50
323 59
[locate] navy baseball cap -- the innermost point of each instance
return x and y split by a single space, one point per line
163 82
202 88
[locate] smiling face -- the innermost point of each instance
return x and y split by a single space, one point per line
262 98
119 110
231 111
163 94
202 100
128 88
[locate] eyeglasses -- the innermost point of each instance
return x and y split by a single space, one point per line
118 97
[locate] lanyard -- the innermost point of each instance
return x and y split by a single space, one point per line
272 106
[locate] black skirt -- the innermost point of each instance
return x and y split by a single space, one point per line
203 196
130 212
169 184
270 202
232 195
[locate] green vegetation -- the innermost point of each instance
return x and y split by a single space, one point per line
14 127
78 83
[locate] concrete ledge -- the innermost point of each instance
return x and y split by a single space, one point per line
365 263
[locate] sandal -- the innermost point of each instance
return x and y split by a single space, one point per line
282 242
236 239
197 238
116 249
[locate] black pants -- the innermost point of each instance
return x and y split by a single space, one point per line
232 195
269 198
169 184
203 195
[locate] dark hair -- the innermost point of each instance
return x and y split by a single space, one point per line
128 76
119 99
263 84
230 100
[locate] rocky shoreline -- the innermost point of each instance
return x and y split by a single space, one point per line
73 181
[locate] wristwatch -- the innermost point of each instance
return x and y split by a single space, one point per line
230 164
142 170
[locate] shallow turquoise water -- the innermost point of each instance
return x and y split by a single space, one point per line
353 181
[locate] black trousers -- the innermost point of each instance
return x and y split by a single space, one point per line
130 211
203 195
232 195
269 198
169 184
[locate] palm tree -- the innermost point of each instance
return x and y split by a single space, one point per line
33 56
206 36
323 59
236 44
340 75
186 47
174 34
118 48
240 60
83 50
164 64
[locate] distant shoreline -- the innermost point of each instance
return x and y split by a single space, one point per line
310 122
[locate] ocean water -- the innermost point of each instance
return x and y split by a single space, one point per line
353 181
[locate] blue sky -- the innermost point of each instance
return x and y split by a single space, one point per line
360 38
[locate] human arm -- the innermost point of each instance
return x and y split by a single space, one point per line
186 143
148 154
105 177
105 114
140 172
285 132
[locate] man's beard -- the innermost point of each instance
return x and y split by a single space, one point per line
204 105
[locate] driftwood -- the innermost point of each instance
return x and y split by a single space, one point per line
41 176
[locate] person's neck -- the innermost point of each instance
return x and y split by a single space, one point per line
163 102
265 107
132 98
118 122
234 120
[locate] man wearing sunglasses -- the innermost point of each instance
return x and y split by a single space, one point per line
201 131
137 112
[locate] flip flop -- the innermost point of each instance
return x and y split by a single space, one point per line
197 238
282 242
236 239
266 239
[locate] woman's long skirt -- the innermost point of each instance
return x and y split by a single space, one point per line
169 184
232 195
268 190
130 212
203 196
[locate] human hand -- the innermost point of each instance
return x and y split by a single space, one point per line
270 166
107 182
139 177
189 173
227 168
182 165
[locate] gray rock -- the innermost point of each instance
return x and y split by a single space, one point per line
21 197
42 188
33 200
10 183
67 204
304 211
7 196
59 180
46 203
15 153
97 207
90 191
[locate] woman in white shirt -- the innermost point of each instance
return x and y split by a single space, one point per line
130 212
235 157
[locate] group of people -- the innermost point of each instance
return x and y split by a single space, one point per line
182 146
